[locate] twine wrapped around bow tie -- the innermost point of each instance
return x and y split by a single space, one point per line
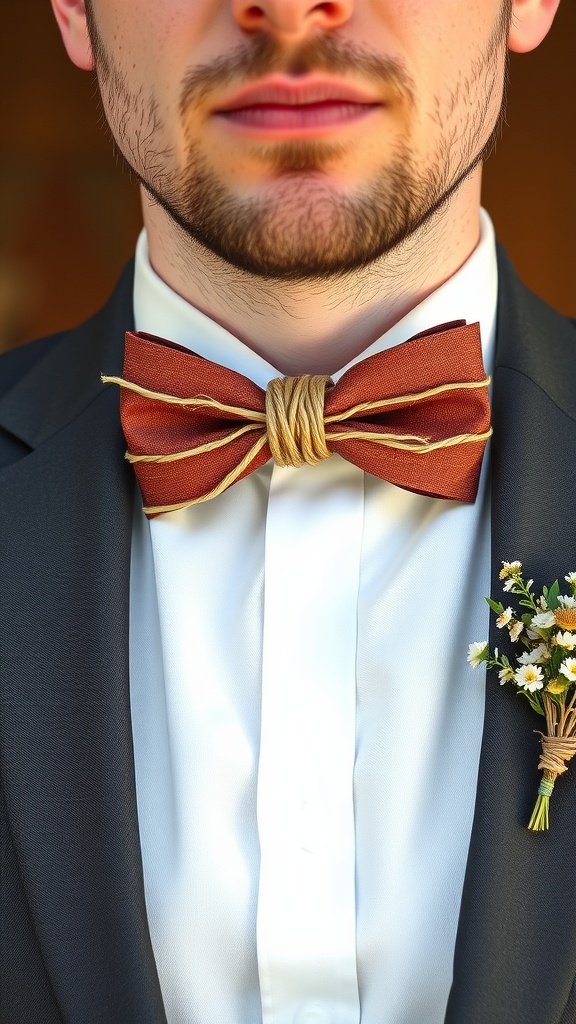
416 415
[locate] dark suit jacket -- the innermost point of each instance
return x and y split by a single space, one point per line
74 941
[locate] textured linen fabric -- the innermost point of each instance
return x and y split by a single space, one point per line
389 382
306 728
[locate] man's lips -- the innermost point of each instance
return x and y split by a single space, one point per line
269 116
281 90
282 104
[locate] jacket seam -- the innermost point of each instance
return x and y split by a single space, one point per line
521 373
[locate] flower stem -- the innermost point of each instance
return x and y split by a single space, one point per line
540 820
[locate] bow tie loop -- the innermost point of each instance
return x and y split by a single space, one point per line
416 415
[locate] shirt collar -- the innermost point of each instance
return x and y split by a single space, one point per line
470 294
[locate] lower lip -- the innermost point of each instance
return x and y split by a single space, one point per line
297 121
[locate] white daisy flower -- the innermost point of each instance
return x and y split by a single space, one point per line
543 620
565 640
505 674
529 677
571 577
477 653
567 601
504 619
539 654
568 669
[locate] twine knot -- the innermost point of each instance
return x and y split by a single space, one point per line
295 420
556 750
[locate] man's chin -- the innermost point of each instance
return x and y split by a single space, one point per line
286 259
297 225
290 240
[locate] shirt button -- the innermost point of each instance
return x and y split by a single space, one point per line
312 1015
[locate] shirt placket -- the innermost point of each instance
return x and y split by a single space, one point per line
306 900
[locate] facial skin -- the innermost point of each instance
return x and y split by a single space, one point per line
346 197
302 207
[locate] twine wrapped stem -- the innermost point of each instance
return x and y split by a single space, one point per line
558 748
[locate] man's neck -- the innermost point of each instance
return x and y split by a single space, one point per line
317 326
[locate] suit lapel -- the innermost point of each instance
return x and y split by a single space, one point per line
66 746
516 947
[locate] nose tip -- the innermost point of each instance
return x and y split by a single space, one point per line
291 18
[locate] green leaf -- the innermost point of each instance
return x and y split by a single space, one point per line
496 606
556 660
552 596
534 701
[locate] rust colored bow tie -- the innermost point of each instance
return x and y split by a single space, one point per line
416 415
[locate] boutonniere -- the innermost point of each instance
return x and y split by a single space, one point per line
545 673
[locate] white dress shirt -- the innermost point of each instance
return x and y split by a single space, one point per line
306 727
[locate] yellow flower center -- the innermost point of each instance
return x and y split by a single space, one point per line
566 618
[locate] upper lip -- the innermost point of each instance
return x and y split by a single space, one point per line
287 92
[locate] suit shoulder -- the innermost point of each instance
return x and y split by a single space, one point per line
16 362
24 360
526 303
46 384
534 339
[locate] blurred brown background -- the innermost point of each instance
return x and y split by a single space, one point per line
69 216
